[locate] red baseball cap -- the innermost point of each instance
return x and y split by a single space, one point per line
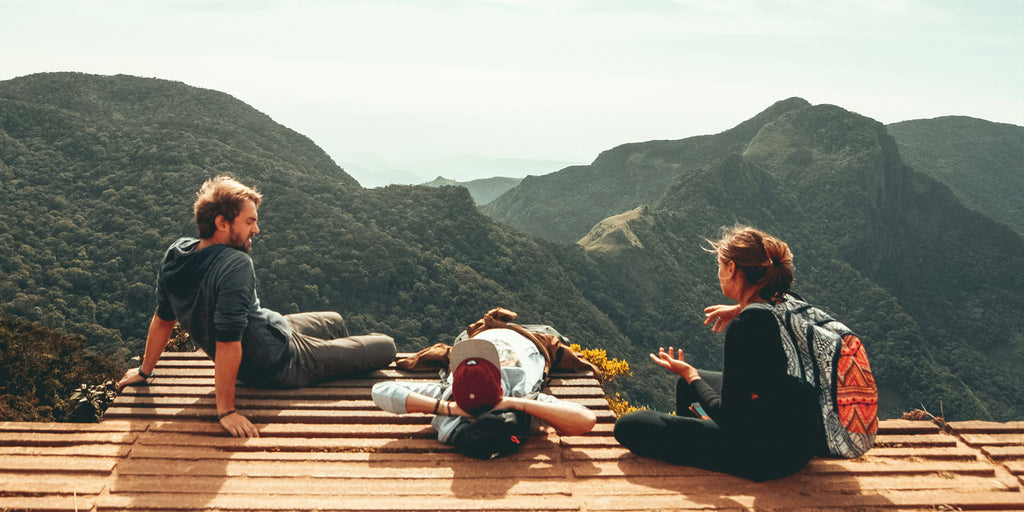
476 375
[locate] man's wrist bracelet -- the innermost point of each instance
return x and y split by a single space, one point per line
225 414
437 404
144 375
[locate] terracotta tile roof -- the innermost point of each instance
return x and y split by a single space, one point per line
330 448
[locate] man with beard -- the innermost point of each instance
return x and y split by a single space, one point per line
208 285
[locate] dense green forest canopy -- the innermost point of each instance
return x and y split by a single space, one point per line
41 366
98 174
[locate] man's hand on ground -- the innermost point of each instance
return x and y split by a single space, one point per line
238 426
131 376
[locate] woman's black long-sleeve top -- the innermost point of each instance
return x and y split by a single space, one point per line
760 405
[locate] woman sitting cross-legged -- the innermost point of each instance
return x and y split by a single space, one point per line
763 424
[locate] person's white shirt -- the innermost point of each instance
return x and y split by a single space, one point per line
522 372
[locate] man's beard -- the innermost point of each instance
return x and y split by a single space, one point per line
240 242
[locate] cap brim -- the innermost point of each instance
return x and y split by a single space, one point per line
474 348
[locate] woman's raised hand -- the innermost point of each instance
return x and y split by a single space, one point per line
667 359
721 315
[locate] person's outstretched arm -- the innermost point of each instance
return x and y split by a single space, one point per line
229 356
404 397
567 418
156 341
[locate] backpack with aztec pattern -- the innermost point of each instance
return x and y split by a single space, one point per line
826 354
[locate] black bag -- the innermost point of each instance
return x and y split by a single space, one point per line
493 434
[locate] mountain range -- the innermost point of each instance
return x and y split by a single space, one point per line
887 247
97 175
374 171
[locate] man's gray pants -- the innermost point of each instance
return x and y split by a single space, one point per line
322 350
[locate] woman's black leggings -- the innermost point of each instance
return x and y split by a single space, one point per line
688 441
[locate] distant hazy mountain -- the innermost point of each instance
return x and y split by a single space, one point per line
97 176
482 190
372 176
982 161
467 167
373 171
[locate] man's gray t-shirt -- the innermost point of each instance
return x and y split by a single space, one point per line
212 293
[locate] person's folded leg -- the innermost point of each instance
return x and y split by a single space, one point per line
693 442
316 360
326 325
677 439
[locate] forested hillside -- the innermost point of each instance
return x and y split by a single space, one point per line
98 174
982 161
40 367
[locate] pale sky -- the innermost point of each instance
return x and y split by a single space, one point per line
390 86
